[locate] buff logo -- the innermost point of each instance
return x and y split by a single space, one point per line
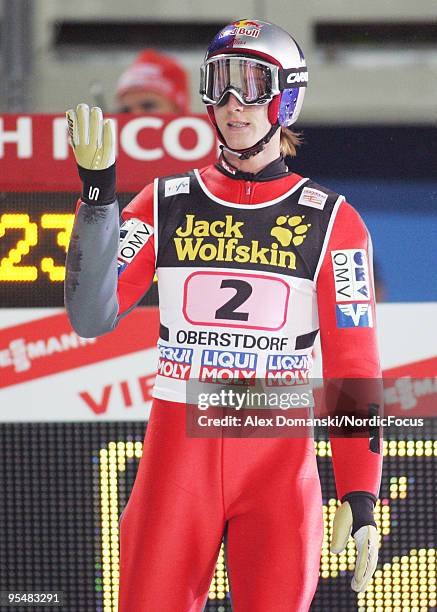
228 366
288 369
223 240
174 362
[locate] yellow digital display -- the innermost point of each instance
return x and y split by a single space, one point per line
12 264
35 230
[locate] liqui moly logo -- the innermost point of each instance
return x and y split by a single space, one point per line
174 362
228 366
288 369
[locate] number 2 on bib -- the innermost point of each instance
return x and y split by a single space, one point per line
249 301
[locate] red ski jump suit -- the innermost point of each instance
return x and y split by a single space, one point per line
262 494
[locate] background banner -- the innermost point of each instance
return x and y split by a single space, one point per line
49 373
35 154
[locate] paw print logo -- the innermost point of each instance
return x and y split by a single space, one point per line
290 230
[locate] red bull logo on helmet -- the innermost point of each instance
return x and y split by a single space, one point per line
243 27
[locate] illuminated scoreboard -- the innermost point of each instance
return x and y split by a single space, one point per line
35 229
66 485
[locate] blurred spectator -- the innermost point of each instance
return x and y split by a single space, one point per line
154 83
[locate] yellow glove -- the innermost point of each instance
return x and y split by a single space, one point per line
366 537
92 137
93 142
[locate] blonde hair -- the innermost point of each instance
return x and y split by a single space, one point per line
289 142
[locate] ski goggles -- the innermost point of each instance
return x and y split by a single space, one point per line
252 81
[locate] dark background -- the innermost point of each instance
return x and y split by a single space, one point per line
51 506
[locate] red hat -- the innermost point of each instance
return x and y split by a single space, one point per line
152 71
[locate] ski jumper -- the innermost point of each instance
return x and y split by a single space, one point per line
249 270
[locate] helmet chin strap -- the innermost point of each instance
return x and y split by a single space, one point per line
250 151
